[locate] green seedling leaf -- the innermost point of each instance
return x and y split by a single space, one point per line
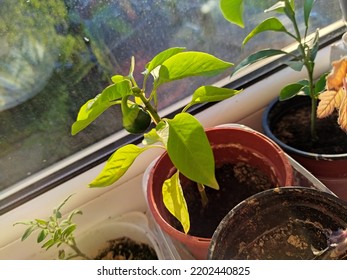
161 57
175 202
290 91
48 244
117 165
93 108
189 64
256 57
28 232
41 222
68 231
308 4
232 11
190 151
210 94
270 24
42 235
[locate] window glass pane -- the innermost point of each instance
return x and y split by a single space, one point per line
56 54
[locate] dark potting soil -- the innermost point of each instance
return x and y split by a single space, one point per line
127 249
293 129
236 181
293 240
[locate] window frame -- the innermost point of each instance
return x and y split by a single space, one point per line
99 204
97 154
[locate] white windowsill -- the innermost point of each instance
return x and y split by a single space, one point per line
99 204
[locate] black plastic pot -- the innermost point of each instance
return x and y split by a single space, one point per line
284 223
330 169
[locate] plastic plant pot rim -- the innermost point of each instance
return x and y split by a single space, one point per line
269 197
290 149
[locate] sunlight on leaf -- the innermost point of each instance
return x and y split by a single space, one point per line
190 150
232 11
189 64
210 94
117 165
175 202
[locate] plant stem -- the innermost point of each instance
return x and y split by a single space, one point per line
156 118
79 253
202 191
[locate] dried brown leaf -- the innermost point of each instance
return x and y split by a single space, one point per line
327 104
342 120
337 75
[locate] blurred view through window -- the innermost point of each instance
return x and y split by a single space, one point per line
56 54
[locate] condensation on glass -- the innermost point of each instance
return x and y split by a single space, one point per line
56 54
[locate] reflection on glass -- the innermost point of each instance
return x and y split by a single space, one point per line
55 54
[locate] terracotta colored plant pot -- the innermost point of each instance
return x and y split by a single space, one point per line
330 169
230 144
284 223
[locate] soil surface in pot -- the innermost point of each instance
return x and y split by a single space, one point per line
236 181
127 249
293 240
293 129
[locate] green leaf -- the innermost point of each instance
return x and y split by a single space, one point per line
289 10
158 134
161 57
190 151
270 24
320 84
308 4
189 64
314 46
93 108
118 78
48 244
211 94
232 11
258 56
295 65
68 230
290 91
278 7
27 232
40 222
42 235
175 202
117 165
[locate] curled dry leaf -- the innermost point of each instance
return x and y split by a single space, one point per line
335 95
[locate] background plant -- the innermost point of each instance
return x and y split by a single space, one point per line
56 231
304 57
183 137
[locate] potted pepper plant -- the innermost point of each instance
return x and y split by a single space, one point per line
189 160
298 119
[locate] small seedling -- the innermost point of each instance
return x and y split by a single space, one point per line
305 54
56 231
